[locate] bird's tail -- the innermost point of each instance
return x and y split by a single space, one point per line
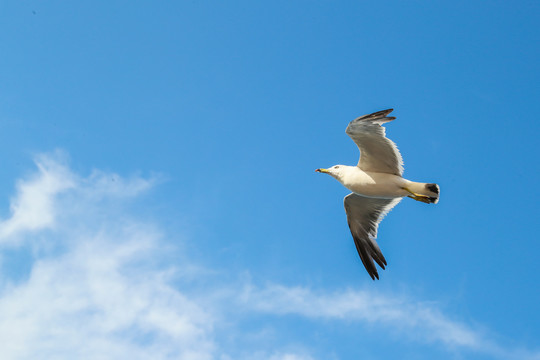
429 192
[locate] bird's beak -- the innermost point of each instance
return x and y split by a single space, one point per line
322 171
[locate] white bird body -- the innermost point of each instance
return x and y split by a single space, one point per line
371 184
377 185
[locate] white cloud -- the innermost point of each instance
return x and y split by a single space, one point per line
33 208
290 356
363 306
418 321
109 290
102 296
92 302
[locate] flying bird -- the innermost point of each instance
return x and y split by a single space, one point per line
377 185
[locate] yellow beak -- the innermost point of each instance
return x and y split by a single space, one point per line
322 171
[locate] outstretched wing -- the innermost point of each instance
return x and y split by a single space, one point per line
364 215
377 152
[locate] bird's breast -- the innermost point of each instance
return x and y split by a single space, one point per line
379 185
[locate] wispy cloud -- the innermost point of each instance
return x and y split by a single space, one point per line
102 296
33 207
420 321
110 291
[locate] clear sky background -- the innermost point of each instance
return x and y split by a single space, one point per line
158 198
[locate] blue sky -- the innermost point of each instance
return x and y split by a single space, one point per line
158 197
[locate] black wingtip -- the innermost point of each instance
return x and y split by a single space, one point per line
382 113
379 115
374 276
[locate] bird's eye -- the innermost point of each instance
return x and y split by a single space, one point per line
336 167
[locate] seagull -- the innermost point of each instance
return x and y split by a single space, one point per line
377 185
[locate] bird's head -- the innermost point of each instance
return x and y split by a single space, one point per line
335 171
